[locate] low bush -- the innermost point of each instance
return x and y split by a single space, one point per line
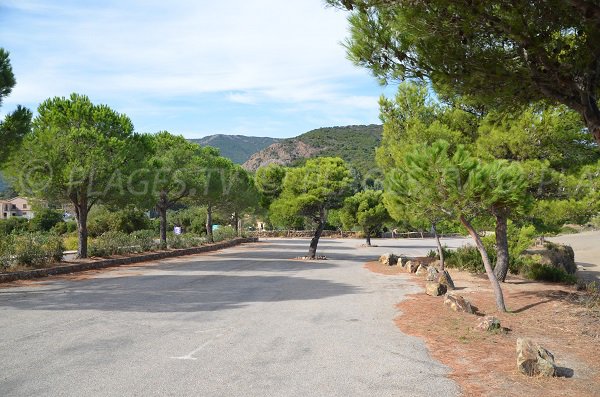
45 219
71 242
62 228
187 240
464 258
144 239
32 250
7 251
536 271
111 243
14 225
224 233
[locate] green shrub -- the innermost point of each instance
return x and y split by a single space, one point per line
595 222
37 250
63 228
13 225
71 242
192 219
126 220
464 258
7 251
568 230
224 233
539 272
145 239
111 243
184 240
45 219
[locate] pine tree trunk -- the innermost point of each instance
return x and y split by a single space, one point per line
368 236
236 220
439 247
163 227
486 263
591 116
502 256
312 251
209 225
82 231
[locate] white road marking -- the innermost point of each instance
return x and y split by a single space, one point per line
190 355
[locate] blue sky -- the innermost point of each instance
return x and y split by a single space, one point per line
261 67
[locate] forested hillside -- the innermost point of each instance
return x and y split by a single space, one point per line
238 148
355 144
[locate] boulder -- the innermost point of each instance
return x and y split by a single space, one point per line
411 266
421 270
435 289
432 273
457 303
487 323
444 278
388 259
533 359
403 260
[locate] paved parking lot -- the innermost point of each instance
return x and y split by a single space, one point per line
245 321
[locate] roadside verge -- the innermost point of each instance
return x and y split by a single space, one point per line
125 260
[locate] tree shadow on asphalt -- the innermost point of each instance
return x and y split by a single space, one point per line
175 293
246 261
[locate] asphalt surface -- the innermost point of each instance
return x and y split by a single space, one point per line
245 321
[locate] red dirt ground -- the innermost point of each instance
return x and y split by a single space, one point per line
483 363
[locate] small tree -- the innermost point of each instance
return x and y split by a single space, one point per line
311 190
463 189
81 153
176 173
504 195
216 173
412 194
366 210
239 196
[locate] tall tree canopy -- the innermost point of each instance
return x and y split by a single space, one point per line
17 123
500 53
80 153
269 182
321 184
7 77
412 118
13 129
176 173
240 195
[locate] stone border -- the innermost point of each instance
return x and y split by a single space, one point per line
113 262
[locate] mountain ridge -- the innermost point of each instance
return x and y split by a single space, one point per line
355 144
238 148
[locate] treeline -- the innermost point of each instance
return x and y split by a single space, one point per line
88 155
447 168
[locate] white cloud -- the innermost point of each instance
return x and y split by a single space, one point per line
182 47
249 52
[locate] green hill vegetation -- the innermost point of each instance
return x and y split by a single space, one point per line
355 144
237 148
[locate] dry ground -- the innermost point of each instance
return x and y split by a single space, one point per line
484 364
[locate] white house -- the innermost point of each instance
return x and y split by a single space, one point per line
16 207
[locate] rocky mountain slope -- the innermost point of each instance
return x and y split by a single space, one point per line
355 144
